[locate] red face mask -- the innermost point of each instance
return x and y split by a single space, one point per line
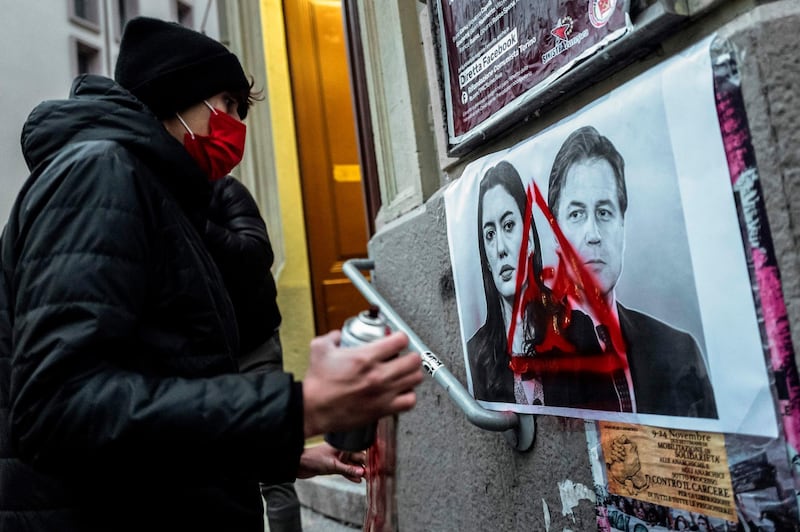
222 149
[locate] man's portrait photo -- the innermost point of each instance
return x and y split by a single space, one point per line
587 195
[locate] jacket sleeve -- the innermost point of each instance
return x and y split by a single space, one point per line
80 285
237 238
235 227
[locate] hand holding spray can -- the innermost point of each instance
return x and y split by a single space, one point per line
366 327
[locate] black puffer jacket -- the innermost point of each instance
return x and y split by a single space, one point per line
119 405
237 238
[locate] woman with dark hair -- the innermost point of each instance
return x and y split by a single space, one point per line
502 208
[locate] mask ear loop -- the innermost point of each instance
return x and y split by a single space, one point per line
210 107
186 126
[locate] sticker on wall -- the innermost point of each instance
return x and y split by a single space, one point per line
759 249
758 481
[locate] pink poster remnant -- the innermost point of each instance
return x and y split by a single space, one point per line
758 245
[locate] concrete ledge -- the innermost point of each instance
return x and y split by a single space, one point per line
334 497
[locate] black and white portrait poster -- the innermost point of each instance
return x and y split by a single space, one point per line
599 266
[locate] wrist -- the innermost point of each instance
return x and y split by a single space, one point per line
311 418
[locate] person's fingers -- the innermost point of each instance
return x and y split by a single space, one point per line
404 372
348 471
406 382
335 336
326 341
358 458
352 471
402 366
356 479
387 347
402 403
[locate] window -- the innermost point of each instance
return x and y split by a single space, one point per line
86 58
184 14
81 8
86 13
124 10
86 9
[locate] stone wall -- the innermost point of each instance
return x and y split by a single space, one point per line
454 476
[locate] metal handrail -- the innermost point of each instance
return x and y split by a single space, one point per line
519 429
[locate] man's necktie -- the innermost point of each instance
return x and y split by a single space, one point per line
617 376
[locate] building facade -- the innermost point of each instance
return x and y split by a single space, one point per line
453 475
49 43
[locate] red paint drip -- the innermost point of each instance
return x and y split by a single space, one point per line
525 275
570 282
381 515
584 282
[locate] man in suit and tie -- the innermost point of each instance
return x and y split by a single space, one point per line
587 196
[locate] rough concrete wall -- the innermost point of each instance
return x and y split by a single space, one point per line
454 476
767 43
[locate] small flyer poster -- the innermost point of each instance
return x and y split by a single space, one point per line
676 468
495 51
758 481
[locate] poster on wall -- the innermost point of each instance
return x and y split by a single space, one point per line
651 479
600 270
685 470
495 53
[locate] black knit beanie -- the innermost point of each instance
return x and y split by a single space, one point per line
169 67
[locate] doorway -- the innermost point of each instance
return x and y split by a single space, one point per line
328 159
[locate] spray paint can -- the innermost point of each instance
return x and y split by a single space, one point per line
366 327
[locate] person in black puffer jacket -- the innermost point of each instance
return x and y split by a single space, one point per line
238 240
121 404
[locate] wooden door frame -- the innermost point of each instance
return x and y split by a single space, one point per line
307 139
361 108
325 277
